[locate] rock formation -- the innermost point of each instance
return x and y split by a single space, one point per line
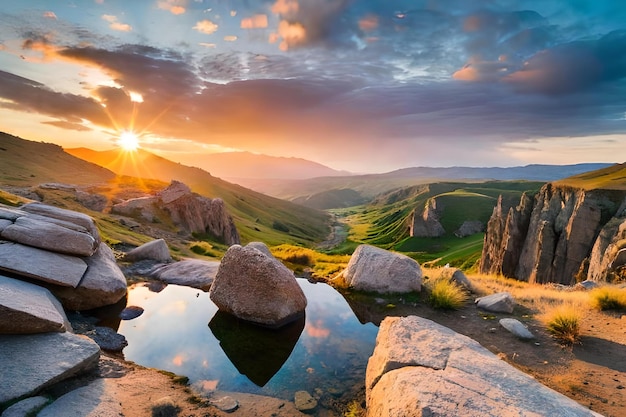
469 227
258 288
551 238
426 223
191 212
420 368
377 270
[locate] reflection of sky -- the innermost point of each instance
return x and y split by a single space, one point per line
173 334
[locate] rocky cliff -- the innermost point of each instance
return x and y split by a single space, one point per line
426 223
191 212
563 234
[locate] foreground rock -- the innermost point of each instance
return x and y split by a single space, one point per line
28 308
501 302
155 250
376 270
255 287
98 399
420 368
189 272
517 328
30 363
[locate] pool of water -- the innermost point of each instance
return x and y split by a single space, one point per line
182 331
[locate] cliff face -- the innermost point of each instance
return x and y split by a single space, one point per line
426 224
191 212
561 235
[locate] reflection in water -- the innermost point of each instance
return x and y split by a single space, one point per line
257 352
329 354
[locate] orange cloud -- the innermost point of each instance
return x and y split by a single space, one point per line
317 330
173 6
230 38
472 24
368 23
50 15
206 26
258 21
178 360
116 24
291 33
286 7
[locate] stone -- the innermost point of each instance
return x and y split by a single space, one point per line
108 339
41 360
131 312
304 401
55 268
420 368
376 270
456 275
469 227
262 247
426 223
189 272
517 328
65 215
25 408
10 213
155 250
28 308
501 302
587 285
98 399
227 404
254 287
165 407
102 284
49 236
4 224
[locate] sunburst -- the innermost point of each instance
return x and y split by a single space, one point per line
128 141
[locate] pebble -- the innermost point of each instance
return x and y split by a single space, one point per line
131 312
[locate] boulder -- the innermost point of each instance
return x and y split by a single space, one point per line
376 270
50 236
469 227
501 302
102 284
426 223
189 272
420 368
517 328
304 401
98 399
456 275
155 250
25 408
108 339
28 308
252 286
260 246
65 215
40 360
55 268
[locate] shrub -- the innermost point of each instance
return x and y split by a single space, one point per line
608 298
299 259
446 294
564 324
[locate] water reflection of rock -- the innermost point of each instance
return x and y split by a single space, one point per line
366 309
257 352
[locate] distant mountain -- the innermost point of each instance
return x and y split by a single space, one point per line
256 215
234 165
25 163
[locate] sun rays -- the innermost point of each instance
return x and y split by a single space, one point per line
128 141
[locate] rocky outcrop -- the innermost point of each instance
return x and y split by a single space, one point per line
189 211
194 273
258 288
608 255
155 250
98 399
420 368
470 227
425 223
377 270
554 243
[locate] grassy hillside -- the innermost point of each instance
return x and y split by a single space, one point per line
257 216
385 222
611 178
24 163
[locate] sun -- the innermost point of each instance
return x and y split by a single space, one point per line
128 141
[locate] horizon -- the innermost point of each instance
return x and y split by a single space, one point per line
367 87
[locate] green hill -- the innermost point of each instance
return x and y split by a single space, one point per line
610 178
258 217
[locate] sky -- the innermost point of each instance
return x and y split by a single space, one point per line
358 85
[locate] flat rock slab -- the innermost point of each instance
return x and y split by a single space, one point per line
517 328
155 250
28 308
31 363
49 236
25 407
102 284
501 302
42 265
190 272
98 399
448 374
70 216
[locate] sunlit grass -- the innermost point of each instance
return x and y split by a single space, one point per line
564 323
446 294
608 298
321 265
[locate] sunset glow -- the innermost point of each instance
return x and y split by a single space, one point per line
365 86
128 141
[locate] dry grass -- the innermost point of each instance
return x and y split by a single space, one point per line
564 323
608 298
321 265
446 294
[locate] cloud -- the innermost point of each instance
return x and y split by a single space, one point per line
176 7
230 38
115 24
63 124
206 26
258 21
50 15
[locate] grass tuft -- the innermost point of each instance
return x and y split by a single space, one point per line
608 298
564 323
446 294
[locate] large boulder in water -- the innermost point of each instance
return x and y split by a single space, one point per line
255 287
377 270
